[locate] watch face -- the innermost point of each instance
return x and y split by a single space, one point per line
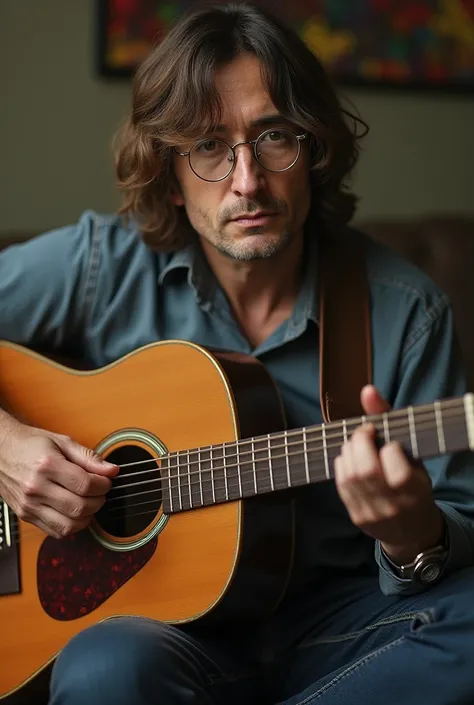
430 573
430 570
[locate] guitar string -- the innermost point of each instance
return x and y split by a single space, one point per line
241 458
175 490
306 436
183 481
185 476
420 412
247 482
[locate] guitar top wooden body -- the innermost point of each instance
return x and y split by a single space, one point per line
223 562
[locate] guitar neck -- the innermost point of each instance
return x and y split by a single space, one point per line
245 468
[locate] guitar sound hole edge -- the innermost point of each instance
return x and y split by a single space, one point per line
128 512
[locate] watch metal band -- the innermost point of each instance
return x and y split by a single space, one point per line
426 569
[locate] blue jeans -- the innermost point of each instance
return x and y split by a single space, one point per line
344 643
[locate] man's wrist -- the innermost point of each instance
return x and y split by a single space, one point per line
8 424
427 562
406 553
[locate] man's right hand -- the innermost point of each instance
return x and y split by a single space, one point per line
50 480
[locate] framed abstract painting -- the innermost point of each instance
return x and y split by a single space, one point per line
406 43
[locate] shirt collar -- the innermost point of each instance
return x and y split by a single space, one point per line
191 260
182 259
200 278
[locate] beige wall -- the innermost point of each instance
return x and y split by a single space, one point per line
57 118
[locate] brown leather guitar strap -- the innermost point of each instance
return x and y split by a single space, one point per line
345 345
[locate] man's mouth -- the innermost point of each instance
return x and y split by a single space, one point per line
254 219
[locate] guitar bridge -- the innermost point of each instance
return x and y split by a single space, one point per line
9 552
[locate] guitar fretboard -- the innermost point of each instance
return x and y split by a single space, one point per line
242 469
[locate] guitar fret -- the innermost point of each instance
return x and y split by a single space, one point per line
276 461
270 465
6 524
191 505
220 473
305 452
254 468
287 460
208 489
262 462
238 469
386 428
413 439
226 481
440 427
184 489
261 466
193 483
282 460
201 491
469 415
170 484
213 487
172 478
180 498
325 447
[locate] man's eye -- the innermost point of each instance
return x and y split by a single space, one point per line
208 146
274 136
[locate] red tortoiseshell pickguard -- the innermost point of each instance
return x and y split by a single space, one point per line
76 575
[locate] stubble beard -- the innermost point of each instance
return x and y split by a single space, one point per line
256 243
241 250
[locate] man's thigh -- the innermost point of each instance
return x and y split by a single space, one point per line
348 622
130 660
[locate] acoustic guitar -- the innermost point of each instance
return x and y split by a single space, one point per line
196 524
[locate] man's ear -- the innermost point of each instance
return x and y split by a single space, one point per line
177 197
175 191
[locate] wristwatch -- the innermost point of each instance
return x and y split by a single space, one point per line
426 569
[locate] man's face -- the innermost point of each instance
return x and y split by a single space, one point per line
253 213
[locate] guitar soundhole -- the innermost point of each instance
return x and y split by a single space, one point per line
135 497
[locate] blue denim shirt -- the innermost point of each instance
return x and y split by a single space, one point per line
96 287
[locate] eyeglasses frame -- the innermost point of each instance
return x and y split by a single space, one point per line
253 143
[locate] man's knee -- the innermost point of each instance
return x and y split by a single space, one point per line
115 661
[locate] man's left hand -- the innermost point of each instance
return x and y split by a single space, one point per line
387 496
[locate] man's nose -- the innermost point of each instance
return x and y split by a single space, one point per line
247 176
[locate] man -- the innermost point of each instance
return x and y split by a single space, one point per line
232 164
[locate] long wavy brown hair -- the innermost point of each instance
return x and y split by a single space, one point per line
174 100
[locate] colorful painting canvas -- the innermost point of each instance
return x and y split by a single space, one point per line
410 43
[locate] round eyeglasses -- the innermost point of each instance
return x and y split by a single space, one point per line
275 150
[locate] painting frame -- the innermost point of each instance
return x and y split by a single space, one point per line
105 69
102 65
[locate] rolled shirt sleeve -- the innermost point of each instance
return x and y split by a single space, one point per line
431 369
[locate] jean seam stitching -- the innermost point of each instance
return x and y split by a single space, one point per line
349 671
228 678
405 617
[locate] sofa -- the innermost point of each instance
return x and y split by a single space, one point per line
443 246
